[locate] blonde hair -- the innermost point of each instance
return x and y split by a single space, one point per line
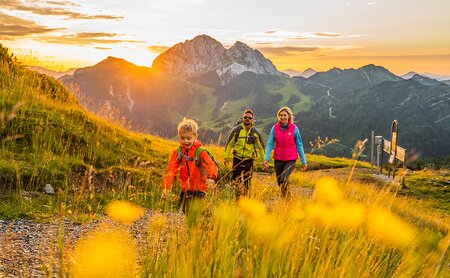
187 125
288 111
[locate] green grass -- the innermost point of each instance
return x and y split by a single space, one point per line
430 187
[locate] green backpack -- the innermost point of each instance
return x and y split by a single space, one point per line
196 158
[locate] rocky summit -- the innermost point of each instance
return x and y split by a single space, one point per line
203 55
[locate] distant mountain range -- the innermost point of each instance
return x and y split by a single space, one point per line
201 79
307 73
428 75
52 73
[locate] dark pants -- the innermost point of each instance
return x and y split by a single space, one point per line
187 197
242 175
283 170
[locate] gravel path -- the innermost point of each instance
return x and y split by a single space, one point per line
29 249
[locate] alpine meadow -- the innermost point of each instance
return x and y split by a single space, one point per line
235 139
107 218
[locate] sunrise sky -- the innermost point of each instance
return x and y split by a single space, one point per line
401 35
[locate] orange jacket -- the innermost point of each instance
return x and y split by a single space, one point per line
192 177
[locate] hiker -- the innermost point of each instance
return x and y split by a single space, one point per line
288 146
197 169
244 145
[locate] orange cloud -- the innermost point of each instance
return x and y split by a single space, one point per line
327 34
287 50
85 39
34 8
12 27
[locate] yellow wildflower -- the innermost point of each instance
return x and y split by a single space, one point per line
105 253
296 212
319 214
264 229
327 191
344 215
226 214
348 215
124 211
387 228
252 208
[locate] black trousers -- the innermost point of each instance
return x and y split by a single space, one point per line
283 170
187 197
242 174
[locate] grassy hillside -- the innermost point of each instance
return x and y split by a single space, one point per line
47 137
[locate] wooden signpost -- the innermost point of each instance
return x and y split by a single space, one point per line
390 147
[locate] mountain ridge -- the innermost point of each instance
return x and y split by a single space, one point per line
155 100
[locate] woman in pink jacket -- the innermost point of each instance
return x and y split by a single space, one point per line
286 138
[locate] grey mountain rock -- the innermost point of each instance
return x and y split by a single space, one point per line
204 54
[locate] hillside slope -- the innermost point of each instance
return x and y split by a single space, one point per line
47 137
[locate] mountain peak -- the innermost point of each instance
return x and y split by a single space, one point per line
203 37
239 44
308 72
111 60
204 54
369 66
408 75
372 67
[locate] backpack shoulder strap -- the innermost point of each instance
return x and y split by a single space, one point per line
234 133
255 130
179 155
197 155
237 130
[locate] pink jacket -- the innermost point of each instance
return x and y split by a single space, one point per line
285 148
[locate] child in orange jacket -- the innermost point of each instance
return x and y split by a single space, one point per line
195 176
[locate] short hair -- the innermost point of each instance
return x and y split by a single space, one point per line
248 111
288 111
187 125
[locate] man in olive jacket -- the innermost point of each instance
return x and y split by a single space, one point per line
244 144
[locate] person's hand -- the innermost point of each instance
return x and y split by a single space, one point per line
226 161
265 164
304 167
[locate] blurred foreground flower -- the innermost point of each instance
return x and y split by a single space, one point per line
105 253
226 214
344 215
327 191
252 208
296 212
124 211
265 229
387 228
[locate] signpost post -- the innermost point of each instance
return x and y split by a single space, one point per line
393 152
